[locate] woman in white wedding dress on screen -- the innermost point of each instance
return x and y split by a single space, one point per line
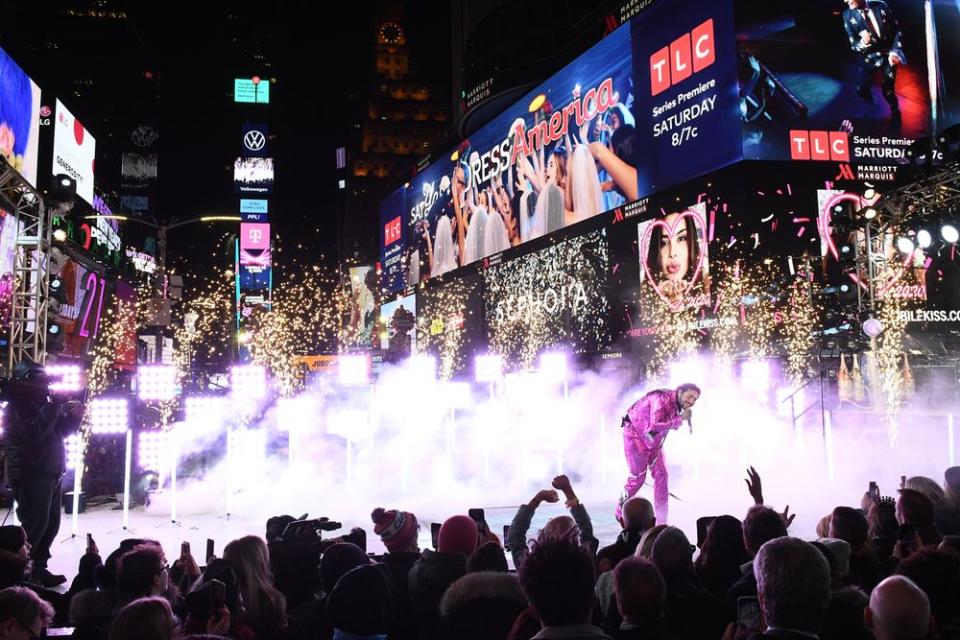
497 235
476 228
444 250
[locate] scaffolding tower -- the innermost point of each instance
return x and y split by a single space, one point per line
29 297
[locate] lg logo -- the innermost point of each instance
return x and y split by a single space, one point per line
820 145
689 54
254 140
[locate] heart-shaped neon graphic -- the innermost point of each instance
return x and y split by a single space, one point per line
670 230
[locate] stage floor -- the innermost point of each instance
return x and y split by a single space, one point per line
812 468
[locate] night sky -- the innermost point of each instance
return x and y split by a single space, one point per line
319 54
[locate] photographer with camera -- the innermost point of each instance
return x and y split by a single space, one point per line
36 426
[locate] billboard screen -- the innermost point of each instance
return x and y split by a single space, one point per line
254 235
254 206
254 277
685 76
399 320
821 81
399 267
560 155
246 90
19 118
554 297
138 167
254 141
74 150
253 175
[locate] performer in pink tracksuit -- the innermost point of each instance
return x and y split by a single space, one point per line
645 427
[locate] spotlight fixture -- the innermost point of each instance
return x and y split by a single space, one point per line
108 415
872 327
869 213
905 245
949 233
63 190
924 239
54 337
156 382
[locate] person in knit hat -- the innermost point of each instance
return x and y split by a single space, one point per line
458 535
437 570
398 530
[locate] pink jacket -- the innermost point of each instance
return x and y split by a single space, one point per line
655 412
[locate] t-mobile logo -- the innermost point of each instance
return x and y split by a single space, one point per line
689 54
820 145
255 236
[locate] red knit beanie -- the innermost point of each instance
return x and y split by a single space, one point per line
458 534
397 529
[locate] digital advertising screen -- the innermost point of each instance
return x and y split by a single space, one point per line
450 322
138 167
255 244
246 90
254 277
562 154
396 267
254 141
74 151
79 315
253 176
554 297
399 321
361 325
248 205
19 118
821 81
685 75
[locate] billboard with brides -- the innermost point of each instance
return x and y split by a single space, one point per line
562 154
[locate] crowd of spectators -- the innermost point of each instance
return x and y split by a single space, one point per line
887 568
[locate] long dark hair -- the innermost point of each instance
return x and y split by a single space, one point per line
723 552
693 248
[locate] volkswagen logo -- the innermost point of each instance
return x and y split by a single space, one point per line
254 140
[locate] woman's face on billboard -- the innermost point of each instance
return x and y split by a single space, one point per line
552 170
674 250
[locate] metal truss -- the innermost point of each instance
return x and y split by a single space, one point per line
932 195
28 317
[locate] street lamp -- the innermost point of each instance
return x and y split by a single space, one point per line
162 230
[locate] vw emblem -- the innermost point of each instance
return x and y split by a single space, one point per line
254 140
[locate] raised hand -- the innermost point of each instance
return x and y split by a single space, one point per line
754 486
544 495
787 517
562 483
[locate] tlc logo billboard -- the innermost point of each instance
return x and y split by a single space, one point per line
391 231
689 54
819 145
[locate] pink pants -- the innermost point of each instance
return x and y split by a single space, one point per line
638 460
